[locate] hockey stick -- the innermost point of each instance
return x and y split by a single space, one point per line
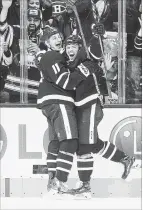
79 24
105 68
85 46
97 20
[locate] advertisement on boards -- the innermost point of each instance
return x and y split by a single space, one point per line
24 143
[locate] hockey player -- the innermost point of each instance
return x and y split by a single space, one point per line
89 114
56 99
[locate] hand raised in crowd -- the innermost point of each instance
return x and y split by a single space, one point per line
108 61
33 47
6 4
47 3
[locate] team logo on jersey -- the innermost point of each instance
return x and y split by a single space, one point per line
84 70
3 142
126 135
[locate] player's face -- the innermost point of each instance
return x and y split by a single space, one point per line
35 21
55 42
72 50
34 4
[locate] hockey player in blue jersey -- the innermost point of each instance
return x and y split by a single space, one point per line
89 113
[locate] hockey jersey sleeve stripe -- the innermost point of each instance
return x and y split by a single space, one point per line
138 43
63 78
41 80
17 80
54 68
18 89
139 38
70 80
66 82
87 99
57 67
60 77
138 48
32 83
55 97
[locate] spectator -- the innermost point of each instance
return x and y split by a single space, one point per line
6 39
134 52
44 5
46 9
133 74
34 33
14 68
14 13
67 22
34 4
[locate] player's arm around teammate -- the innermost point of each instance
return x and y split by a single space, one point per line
56 99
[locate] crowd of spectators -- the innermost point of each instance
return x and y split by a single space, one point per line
60 14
